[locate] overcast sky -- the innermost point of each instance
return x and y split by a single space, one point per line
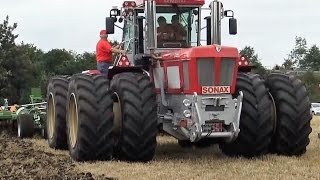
270 26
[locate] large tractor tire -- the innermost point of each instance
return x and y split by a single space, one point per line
185 143
25 124
293 114
256 123
89 118
135 117
56 112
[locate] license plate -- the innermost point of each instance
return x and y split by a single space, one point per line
217 127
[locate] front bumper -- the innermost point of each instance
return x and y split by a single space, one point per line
201 117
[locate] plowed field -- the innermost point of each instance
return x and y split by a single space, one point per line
33 159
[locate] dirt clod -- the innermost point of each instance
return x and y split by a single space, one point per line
19 160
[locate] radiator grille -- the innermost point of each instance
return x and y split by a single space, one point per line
186 74
206 71
226 71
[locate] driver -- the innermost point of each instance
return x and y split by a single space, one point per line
163 31
179 32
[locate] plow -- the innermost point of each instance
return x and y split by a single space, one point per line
26 119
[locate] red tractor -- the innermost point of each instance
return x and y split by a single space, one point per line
168 82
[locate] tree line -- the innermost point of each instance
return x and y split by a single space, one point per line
24 65
302 61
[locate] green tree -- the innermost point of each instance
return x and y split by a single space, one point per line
312 81
39 77
16 68
59 61
288 64
85 61
311 60
254 60
297 54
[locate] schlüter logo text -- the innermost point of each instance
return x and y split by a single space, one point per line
174 1
216 89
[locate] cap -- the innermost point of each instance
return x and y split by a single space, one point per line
103 32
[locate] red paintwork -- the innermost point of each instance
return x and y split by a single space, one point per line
243 61
129 4
176 58
170 2
123 62
91 72
244 65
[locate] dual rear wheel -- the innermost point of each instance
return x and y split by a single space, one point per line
99 122
95 120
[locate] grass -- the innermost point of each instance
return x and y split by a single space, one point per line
173 162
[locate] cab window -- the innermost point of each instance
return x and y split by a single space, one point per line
176 27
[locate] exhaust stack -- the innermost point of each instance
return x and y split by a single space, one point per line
150 9
216 16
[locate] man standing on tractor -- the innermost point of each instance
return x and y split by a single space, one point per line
104 52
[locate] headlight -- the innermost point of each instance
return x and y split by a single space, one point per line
187 113
186 102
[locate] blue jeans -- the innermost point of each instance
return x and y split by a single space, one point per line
103 67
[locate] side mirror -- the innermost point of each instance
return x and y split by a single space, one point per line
110 25
233 30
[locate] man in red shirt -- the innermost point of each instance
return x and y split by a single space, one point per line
104 52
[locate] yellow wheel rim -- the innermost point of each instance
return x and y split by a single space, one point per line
73 120
51 116
117 119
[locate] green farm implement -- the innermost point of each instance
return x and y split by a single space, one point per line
28 118
5 113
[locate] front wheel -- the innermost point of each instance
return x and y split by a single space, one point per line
89 118
135 116
293 114
56 112
256 123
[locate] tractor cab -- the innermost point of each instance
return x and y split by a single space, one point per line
172 31
152 27
177 27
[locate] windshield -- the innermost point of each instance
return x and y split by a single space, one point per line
177 27
128 33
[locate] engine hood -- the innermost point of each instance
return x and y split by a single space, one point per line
201 52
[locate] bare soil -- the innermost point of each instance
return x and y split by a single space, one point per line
33 159
21 159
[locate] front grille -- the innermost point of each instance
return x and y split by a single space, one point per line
226 71
186 74
206 71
